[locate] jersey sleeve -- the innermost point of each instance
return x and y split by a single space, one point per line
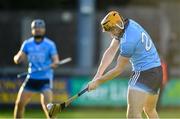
53 50
128 44
24 47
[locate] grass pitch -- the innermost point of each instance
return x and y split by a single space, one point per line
88 113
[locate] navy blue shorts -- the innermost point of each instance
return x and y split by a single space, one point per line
36 85
148 81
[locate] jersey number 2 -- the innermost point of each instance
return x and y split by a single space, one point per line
146 41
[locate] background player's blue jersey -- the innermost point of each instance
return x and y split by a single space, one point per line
137 45
39 56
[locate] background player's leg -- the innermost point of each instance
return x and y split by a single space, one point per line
150 106
136 101
23 98
46 97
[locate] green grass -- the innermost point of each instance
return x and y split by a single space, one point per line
88 113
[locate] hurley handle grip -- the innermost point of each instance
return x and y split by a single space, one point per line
83 91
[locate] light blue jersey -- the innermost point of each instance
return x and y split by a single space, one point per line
39 56
137 45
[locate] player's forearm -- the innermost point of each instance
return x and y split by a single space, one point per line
121 64
110 75
17 59
55 61
54 65
105 62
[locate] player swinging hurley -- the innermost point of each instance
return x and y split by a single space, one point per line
135 45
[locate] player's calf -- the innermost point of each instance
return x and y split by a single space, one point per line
19 109
132 113
151 112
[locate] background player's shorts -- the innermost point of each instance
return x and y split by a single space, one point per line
147 81
38 85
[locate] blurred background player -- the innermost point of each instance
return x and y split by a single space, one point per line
136 46
40 52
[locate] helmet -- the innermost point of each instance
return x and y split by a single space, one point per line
112 19
38 23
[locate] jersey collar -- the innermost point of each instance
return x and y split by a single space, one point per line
39 41
126 23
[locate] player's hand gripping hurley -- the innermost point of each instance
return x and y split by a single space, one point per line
55 108
64 61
